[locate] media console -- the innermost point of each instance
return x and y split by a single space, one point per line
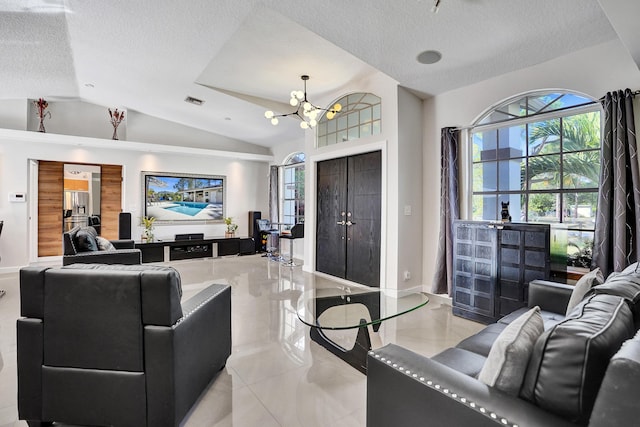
172 250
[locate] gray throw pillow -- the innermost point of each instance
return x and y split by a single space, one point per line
507 361
584 285
86 241
104 244
631 269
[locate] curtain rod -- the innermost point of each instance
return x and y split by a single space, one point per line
633 94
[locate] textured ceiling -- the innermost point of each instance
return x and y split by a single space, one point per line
242 56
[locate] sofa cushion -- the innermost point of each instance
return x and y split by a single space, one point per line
160 286
104 244
465 361
626 286
613 406
507 361
583 286
85 241
549 318
569 361
481 342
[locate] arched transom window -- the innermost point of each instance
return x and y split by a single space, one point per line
360 117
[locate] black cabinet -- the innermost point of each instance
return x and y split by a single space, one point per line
493 265
173 250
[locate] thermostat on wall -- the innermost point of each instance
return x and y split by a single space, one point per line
17 197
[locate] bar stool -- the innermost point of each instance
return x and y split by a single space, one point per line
297 232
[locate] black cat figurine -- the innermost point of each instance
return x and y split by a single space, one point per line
504 213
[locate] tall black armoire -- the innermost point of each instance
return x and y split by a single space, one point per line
493 265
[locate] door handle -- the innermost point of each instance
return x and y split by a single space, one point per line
341 223
349 223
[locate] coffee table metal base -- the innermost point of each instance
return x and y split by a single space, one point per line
356 356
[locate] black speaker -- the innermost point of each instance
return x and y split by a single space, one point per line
254 231
124 225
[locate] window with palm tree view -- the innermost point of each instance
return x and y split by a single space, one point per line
541 153
293 185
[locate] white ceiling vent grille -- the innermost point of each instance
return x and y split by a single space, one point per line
194 101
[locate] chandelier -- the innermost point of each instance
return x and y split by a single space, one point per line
306 111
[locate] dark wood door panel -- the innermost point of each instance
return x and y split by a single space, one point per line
364 206
331 202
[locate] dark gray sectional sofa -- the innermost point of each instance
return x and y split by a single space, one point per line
81 247
584 369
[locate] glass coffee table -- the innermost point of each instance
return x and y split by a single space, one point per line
353 307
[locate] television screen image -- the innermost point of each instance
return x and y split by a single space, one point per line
171 198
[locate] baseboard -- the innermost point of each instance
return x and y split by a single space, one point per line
443 299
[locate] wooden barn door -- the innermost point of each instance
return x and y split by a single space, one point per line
110 199
50 204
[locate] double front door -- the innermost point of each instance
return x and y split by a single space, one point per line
349 198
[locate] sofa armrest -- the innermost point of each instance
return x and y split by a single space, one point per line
549 296
30 350
407 389
119 256
614 405
181 360
123 244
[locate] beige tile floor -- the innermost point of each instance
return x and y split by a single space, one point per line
275 376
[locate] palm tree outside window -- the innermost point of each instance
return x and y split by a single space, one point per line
541 153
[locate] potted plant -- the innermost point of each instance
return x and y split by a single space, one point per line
231 227
148 221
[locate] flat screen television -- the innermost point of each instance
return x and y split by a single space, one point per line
174 198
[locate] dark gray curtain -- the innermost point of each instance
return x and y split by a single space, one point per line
273 195
449 210
617 230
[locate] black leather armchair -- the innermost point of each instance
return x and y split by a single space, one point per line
111 345
77 249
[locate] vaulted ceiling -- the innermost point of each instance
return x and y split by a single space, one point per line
244 56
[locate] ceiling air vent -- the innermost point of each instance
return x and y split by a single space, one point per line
194 101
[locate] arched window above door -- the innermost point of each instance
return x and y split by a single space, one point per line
360 117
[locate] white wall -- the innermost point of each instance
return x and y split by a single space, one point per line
593 72
409 189
246 186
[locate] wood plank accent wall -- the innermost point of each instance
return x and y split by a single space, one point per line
110 200
50 194
50 204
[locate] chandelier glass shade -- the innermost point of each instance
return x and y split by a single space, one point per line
305 110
